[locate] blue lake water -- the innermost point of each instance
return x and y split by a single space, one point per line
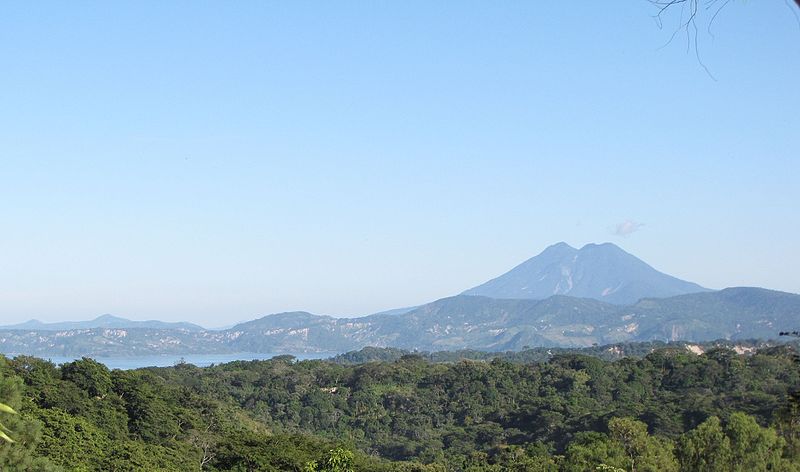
200 360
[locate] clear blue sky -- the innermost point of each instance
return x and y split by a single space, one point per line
217 161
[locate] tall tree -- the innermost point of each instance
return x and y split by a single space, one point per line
21 454
705 448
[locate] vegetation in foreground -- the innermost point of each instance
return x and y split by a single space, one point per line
669 410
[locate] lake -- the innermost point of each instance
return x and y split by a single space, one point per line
200 360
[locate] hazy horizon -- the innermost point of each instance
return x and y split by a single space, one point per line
212 163
257 315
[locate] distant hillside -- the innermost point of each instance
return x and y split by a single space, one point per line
564 297
599 271
104 321
732 313
467 322
112 342
291 332
484 323
455 323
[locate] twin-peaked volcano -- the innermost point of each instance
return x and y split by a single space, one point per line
600 271
599 294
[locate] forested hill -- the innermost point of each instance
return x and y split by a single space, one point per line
461 322
670 410
606 352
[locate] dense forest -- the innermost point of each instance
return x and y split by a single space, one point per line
668 410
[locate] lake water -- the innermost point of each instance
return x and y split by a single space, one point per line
200 360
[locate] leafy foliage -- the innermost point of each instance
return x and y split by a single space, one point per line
667 411
3 430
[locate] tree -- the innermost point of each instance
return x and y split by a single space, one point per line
20 455
691 12
740 446
753 448
789 416
646 453
88 374
691 9
632 435
705 448
337 460
628 447
3 430
590 449
71 441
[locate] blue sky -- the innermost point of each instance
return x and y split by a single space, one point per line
217 161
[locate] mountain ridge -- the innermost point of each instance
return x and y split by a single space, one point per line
570 298
452 323
102 321
602 271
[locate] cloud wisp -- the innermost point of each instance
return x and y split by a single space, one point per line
627 228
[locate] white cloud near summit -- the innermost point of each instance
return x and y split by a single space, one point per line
627 227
